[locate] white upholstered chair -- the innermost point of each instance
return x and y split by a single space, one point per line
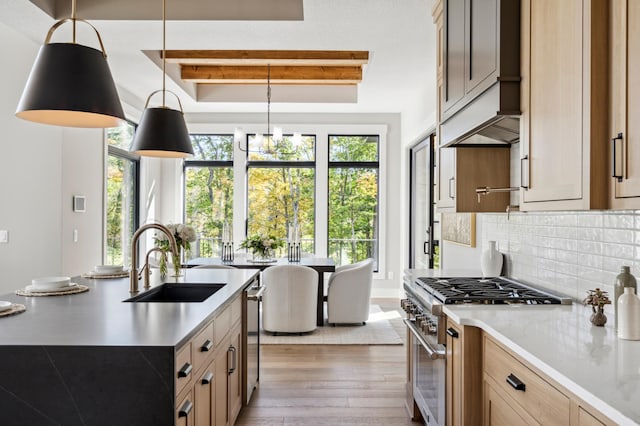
349 292
289 301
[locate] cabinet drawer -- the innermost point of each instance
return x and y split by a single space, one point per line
183 367
236 310
202 346
221 325
541 400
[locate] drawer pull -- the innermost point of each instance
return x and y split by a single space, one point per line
207 378
185 409
185 370
516 383
453 333
206 346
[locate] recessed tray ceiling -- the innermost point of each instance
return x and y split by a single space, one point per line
193 10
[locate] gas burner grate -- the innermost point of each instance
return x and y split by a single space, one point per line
484 290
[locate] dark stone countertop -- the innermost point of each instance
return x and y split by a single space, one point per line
99 317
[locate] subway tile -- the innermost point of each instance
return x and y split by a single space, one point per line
625 221
590 260
589 247
590 220
590 234
621 251
567 256
622 236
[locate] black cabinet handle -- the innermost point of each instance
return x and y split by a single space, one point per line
207 378
234 362
185 370
516 383
522 174
614 172
185 409
206 346
453 333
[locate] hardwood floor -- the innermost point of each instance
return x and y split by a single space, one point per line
332 385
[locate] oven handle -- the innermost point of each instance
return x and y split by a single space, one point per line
257 296
433 353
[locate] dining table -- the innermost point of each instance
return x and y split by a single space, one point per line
319 264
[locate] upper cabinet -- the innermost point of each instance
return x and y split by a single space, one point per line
624 134
564 131
480 50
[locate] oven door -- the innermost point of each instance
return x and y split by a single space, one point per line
429 369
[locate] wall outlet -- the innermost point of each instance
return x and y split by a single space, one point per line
4 236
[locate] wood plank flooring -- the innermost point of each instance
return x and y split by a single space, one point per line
331 385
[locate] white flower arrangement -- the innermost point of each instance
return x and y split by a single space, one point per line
184 235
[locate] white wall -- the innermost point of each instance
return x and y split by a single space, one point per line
30 176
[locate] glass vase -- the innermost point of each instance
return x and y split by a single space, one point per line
262 256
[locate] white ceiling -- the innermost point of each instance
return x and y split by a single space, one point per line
399 34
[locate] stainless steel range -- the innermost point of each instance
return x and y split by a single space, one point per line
427 323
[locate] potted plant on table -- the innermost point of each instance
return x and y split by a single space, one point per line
262 246
597 299
184 236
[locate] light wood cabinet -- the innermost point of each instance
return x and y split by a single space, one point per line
463 169
625 104
185 410
480 49
564 132
463 375
209 372
498 411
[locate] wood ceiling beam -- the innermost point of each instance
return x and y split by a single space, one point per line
216 74
264 57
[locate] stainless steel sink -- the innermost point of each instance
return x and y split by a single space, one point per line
177 293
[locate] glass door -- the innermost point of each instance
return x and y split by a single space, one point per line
422 238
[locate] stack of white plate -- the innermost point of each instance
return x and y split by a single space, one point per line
47 284
107 269
5 306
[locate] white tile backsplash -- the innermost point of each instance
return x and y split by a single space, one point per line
569 252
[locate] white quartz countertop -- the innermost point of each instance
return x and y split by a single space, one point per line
99 317
560 341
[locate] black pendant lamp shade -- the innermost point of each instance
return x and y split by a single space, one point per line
71 85
162 132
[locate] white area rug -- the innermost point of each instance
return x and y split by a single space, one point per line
377 331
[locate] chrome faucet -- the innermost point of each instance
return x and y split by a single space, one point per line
133 279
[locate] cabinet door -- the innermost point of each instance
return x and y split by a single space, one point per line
553 101
184 411
625 101
221 363
586 419
204 393
499 412
454 376
446 178
235 373
454 54
482 67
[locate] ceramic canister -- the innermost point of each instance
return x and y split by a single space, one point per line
629 315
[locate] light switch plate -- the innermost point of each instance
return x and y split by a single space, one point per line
4 236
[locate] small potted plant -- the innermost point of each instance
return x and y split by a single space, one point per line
597 299
262 246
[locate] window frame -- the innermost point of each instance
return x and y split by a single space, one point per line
187 163
277 164
360 165
117 152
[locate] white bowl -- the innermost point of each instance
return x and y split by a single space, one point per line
46 283
4 305
107 269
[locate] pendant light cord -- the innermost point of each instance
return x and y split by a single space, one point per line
164 50
73 19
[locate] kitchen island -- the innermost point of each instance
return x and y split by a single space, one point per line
92 359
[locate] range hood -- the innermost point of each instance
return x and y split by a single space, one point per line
493 118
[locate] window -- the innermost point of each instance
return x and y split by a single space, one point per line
122 195
208 191
353 198
281 187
